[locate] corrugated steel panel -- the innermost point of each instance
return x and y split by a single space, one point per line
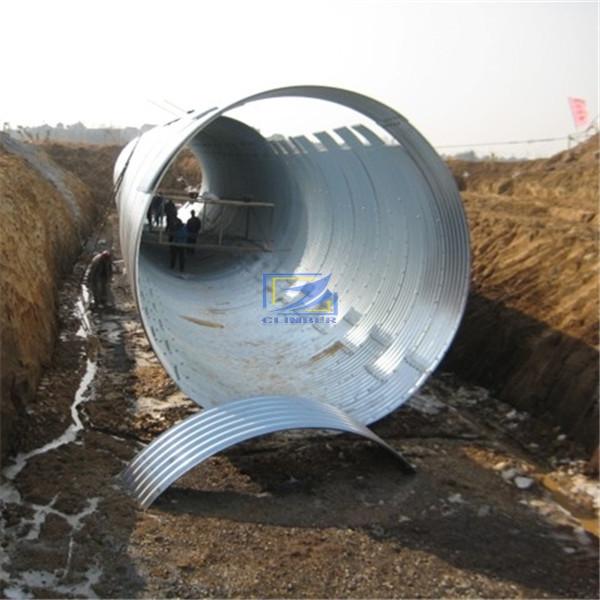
200 436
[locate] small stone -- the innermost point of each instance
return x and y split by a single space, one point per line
582 537
508 474
523 483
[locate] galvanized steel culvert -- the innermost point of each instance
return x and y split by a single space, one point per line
380 214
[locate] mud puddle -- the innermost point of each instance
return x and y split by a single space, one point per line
83 394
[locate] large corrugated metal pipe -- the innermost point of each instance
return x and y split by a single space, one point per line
331 271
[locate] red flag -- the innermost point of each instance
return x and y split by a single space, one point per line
579 111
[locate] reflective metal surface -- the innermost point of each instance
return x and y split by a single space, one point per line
384 219
199 437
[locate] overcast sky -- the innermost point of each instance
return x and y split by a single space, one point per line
461 73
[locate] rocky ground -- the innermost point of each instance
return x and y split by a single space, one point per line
498 508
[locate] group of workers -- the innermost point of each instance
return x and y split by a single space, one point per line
180 233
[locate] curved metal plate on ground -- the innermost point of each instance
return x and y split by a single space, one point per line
384 219
181 448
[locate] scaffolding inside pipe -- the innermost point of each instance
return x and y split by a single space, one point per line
384 220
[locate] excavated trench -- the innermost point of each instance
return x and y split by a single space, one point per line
47 216
288 515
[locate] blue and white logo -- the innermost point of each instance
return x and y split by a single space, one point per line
298 298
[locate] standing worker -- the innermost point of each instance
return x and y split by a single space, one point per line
155 211
98 278
171 214
177 238
149 216
193 227
160 212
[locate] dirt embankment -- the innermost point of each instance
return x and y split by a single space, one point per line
52 195
46 215
92 164
531 326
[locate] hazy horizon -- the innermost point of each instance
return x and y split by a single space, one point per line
465 73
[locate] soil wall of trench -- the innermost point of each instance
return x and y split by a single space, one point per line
530 332
47 214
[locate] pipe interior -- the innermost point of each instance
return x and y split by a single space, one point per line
364 213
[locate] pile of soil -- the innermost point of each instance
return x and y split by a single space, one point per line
570 177
531 327
46 216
